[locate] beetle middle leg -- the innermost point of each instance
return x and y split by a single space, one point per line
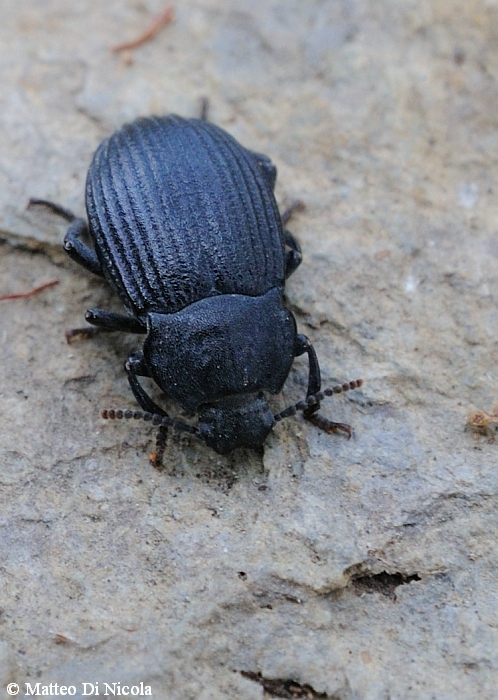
111 322
303 345
106 322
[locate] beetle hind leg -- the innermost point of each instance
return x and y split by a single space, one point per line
78 250
293 256
73 245
57 209
298 205
267 167
204 108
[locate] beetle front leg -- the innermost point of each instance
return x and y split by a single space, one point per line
135 367
314 383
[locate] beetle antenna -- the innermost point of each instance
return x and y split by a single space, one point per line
313 399
154 418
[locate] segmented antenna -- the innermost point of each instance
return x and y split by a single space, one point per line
314 399
163 422
154 418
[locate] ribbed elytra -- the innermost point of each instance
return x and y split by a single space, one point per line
184 213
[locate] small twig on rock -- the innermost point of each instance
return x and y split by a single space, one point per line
166 17
31 293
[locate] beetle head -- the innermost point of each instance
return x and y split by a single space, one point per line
236 421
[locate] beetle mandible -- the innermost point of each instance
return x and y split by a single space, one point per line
185 228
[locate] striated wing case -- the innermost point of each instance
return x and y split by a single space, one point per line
179 211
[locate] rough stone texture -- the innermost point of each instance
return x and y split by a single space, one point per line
365 569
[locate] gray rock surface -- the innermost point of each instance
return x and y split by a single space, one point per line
349 570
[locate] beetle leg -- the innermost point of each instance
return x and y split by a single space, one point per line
294 256
74 247
329 426
298 205
105 322
204 108
110 321
314 382
269 170
135 367
156 458
66 214
79 251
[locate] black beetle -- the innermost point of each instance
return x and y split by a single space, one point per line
186 230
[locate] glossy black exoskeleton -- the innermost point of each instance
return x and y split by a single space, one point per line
186 230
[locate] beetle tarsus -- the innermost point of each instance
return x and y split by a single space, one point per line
298 205
204 108
329 426
311 404
66 214
76 334
156 458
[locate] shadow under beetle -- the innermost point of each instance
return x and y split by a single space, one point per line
186 230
